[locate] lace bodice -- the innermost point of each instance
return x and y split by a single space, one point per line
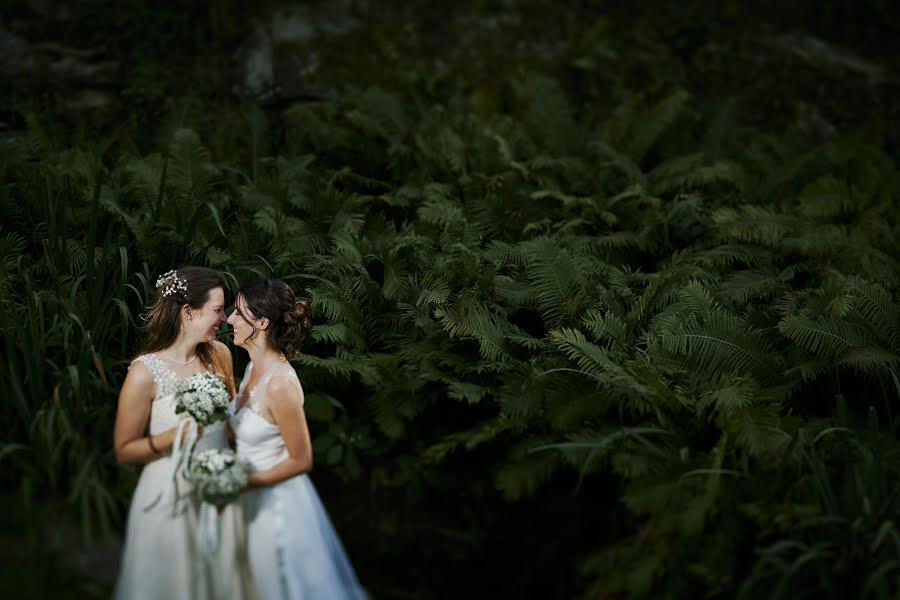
259 441
162 410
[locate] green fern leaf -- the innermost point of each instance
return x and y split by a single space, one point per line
190 170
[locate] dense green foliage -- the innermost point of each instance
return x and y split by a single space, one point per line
630 349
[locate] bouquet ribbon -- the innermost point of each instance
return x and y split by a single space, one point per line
181 459
209 529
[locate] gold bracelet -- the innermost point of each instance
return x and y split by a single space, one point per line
152 447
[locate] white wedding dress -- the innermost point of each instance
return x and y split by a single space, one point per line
295 553
161 557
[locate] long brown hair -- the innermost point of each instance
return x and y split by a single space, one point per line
163 322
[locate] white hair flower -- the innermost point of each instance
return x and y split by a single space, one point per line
171 283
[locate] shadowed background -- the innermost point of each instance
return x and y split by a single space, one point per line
605 296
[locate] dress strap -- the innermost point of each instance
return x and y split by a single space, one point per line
163 376
247 370
286 371
292 376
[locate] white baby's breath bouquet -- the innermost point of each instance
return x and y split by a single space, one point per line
217 476
203 396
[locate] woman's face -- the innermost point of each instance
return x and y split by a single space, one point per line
205 321
238 319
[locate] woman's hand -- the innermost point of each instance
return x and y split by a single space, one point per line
229 434
251 484
285 402
199 431
165 440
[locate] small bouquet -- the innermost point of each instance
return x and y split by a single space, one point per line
217 477
203 396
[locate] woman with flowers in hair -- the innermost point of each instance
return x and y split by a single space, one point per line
294 550
161 557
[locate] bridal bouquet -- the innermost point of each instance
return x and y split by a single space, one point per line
217 477
203 396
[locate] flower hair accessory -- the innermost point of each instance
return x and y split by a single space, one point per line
171 283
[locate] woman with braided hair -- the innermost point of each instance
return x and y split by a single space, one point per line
161 557
294 550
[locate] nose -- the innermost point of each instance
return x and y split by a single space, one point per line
228 320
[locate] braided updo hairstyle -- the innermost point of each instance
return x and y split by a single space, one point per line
289 321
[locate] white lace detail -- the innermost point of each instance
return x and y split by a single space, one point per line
163 376
290 375
279 370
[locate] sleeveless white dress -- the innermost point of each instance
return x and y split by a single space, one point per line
161 557
295 553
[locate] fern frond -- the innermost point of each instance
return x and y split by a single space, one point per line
876 307
505 254
635 179
387 109
721 344
549 118
521 394
109 201
755 224
810 370
608 327
144 179
440 207
693 171
647 128
871 360
824 339
342 364
440 146
514 292
618 240
826 197
755 428
432 290
266 220
190 170
596 362
476 321
726 255
485 432
743 286
666 284
731 395
466 391
336 333
712 340
521 477
556 277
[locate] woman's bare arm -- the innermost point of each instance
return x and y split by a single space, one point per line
285 404
135 399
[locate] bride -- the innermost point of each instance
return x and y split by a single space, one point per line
161 557
293 548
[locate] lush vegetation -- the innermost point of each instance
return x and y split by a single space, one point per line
574 337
